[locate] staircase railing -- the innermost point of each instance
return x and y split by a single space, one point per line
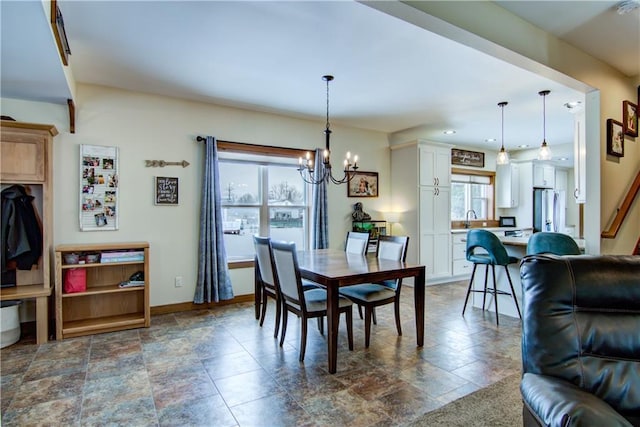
623 210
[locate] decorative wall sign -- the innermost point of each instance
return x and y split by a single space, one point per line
99 188
467 158
163 163
166 190
363 184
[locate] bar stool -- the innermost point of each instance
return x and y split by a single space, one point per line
546 242
496 254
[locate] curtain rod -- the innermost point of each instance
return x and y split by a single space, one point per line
201 138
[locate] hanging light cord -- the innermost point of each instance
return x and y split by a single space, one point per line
502 108
327 80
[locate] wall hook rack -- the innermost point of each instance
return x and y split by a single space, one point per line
162 163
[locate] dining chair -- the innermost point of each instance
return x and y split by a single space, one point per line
552 243
357 243
493 253
304 304
265 280
371 295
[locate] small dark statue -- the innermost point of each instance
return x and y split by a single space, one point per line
358 214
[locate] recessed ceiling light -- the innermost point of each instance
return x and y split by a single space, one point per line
563 159
449 132
523 145
490 140
573 104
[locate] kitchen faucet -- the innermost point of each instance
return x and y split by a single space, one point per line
467 223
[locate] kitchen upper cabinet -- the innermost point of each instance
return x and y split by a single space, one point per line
435 165
561 180
544 176
507 185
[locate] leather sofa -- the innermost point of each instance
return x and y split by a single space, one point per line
581 340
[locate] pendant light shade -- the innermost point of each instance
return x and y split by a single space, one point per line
545 152
503 156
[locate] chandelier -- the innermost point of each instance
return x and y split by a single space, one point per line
306 168
503 156
545 152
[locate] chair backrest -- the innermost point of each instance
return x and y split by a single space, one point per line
552 243
580 322
488 241
357 243
286 272
263 258
392 247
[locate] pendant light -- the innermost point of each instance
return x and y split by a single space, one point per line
305 166
545 152
503 156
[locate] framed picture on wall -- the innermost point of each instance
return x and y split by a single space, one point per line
630 118
615 138
98 188
363 184
166 191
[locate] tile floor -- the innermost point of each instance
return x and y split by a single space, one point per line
219 368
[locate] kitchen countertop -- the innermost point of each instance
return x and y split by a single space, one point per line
522 241
492 229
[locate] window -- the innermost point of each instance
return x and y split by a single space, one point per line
261 195
471 191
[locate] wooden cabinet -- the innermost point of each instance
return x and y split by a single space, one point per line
507 185
420 178
26 152
544 176
104 306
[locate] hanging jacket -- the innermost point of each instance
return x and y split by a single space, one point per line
21 233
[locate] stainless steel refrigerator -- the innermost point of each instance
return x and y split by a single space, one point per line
549 210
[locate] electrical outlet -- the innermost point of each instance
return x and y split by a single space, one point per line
484 224
178 281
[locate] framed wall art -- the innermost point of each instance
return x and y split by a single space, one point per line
363 184
630 118
467 158
166 189
615 138
98 188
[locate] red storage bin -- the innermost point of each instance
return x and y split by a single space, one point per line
75 280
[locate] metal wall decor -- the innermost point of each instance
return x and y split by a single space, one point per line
163 163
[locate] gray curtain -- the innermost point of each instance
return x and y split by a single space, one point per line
214 283
319 210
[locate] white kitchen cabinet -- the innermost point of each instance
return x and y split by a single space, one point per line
435 166
435 227
460 267
544 175
507 185
579 157
420 178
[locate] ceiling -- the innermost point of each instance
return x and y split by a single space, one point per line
390 75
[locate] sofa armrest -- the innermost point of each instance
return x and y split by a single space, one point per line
556 402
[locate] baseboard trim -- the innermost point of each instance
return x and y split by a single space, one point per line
189 306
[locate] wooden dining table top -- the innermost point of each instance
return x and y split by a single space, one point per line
344 269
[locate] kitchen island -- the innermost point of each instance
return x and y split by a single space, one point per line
516 246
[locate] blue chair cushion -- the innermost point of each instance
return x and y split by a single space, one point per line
316 300
368 292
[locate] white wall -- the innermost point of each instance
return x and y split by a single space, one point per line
147 127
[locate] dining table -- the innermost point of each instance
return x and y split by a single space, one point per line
333 269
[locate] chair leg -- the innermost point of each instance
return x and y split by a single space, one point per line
484 292
367 326
278 315
303 338
349 316
264 308
495 292
466 299
373 316
513 293
321 325
396 308
285 316
360 311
